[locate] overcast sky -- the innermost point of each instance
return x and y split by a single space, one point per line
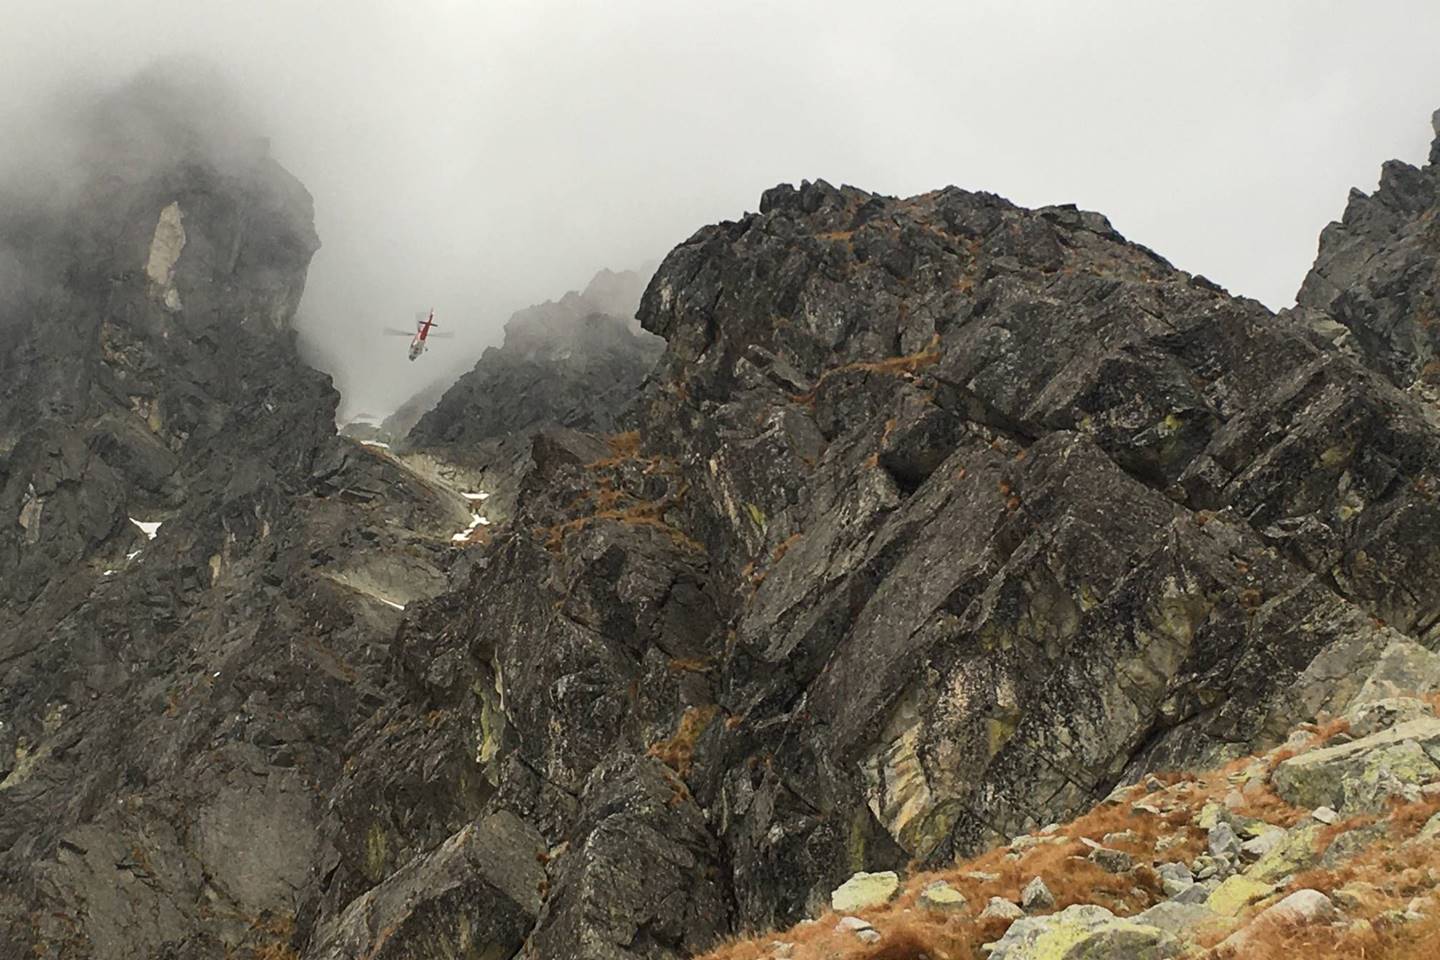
481 156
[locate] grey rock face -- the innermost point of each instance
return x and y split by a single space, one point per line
576 363
941 516
173 710
643 881
1376 275
476 895
937 518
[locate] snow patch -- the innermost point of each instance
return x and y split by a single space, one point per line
375 443
391 603
475 496
148 528
108 573
132 554
476 520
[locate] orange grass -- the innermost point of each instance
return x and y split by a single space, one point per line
1399 868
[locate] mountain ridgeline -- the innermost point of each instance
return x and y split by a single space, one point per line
571 364
931 521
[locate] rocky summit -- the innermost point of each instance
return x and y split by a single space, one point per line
934 524
573 363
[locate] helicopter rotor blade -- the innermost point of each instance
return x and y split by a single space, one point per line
446 335
392 332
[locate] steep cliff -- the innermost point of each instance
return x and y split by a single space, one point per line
575 363
198 580
1374 285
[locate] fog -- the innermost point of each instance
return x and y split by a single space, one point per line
477 157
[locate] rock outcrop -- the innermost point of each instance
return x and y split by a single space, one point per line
576 363
1375 287
937 520
198 580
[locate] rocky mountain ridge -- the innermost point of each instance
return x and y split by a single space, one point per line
941 518
937 519
575 363
199 578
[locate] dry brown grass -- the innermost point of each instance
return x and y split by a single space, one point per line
274 931
1406 819
275 951
1404 871
638 513
678 751
784 547
891 366
1399 868
623 446
910 931
1331 729
1368 940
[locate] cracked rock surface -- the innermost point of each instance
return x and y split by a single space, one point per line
936 519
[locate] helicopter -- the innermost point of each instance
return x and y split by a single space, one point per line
424 329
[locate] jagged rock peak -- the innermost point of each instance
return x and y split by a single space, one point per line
938 518
555 327
1375 285
575 361
196 574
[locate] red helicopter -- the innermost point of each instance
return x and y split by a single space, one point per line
424 329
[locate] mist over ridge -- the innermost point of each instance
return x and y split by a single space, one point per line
480 158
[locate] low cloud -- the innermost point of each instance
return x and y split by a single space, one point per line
477 157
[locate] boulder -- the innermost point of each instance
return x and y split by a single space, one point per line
860 928
1083 931
1288 852
1361 775
1111 861
1174 877
941 897
477 895
1299 909
1184 920
1236 893
1036 896
865 890
1374 716
1259 846
1222 842
1001 909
